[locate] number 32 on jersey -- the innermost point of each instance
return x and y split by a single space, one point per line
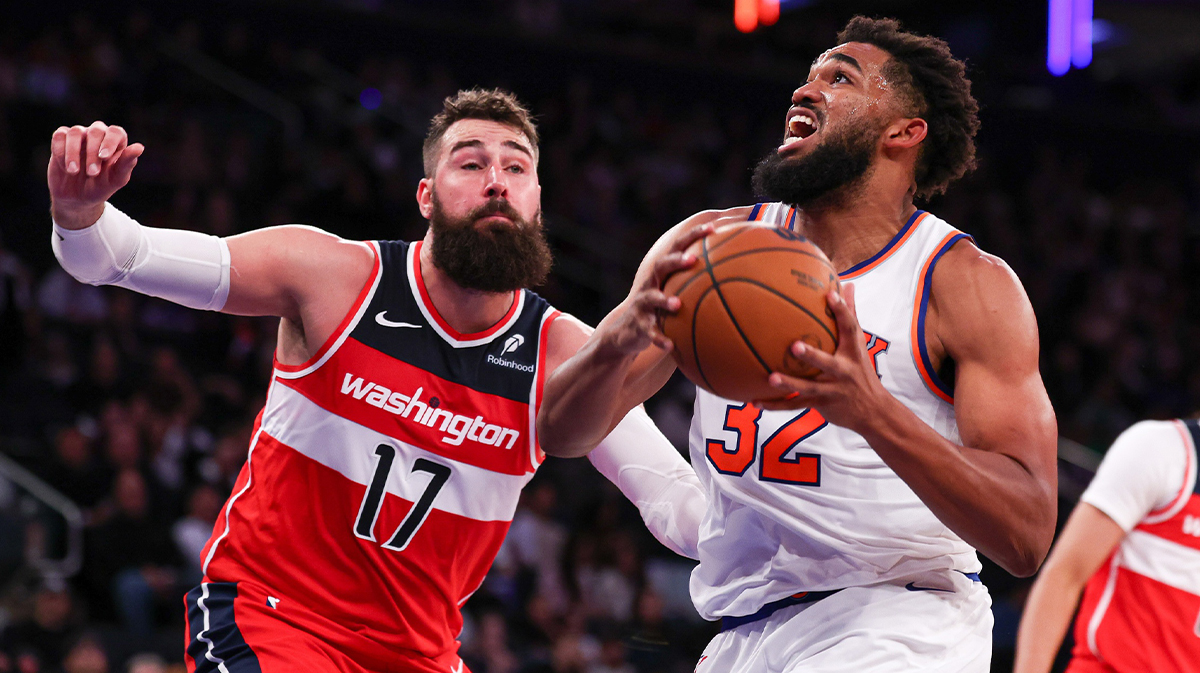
782 461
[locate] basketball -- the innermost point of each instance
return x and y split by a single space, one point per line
754 291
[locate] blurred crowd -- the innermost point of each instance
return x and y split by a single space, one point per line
140 411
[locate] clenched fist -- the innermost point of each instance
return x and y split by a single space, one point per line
87 166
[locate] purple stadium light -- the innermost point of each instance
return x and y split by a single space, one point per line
1069 36
1081 33
1058 44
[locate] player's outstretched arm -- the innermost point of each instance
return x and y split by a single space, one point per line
627 359
640 461
1086 541
998 489
291 272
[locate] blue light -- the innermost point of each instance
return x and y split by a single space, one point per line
1081 33
370 98
1058 43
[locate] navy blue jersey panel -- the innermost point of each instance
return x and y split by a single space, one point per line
393 324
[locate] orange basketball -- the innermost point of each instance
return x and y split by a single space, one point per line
755 290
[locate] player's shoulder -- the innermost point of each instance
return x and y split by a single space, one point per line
565 336
307 241
1145 436
966 274
981 308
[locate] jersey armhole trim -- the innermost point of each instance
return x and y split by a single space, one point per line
536 455
1188 430
756 212
920 354
349 321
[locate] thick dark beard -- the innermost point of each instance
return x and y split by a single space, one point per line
828 175
496 258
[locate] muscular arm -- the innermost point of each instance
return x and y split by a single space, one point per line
998 489
624 362
1086 541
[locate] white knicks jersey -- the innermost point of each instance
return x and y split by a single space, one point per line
798 504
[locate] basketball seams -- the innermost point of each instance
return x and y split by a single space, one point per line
743 253
777 293
734 235
716 286
695 348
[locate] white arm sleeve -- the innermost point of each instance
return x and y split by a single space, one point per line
185 267
1142 472
650 472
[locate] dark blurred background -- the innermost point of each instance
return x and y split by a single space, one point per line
124 419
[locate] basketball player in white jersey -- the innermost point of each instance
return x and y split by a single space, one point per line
398 429
843 523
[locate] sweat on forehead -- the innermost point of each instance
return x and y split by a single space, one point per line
876 63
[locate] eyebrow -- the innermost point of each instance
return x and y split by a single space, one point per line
479 143
838 56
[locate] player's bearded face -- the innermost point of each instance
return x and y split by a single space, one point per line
826 172
490 257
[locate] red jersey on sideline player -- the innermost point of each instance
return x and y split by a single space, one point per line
1132 548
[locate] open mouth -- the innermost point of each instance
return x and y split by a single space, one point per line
800 126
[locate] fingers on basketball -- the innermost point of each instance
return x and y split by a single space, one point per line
756 291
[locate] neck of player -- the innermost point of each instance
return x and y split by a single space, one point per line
467 311
855 225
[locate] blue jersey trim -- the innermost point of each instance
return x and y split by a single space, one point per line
221 639
927 284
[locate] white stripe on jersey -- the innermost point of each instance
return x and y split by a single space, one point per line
472 492
492 332
1162 560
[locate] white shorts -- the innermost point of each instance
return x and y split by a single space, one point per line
939 622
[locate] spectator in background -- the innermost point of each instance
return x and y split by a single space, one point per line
41 641
130 556
87 655
76 471
146 663
191 532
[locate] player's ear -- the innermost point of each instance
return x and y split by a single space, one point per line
425 197
905 133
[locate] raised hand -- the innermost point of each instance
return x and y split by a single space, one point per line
87 166
634 328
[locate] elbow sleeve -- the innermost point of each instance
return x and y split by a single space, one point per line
185 267
653 476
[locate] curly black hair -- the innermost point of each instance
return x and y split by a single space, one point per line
936 87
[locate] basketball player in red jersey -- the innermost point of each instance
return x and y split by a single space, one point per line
941 444
1132 549
399 424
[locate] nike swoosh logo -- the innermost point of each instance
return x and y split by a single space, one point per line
912 586
388 323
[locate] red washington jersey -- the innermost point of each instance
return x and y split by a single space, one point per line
384 472
1141 610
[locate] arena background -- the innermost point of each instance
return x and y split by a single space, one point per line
124 420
